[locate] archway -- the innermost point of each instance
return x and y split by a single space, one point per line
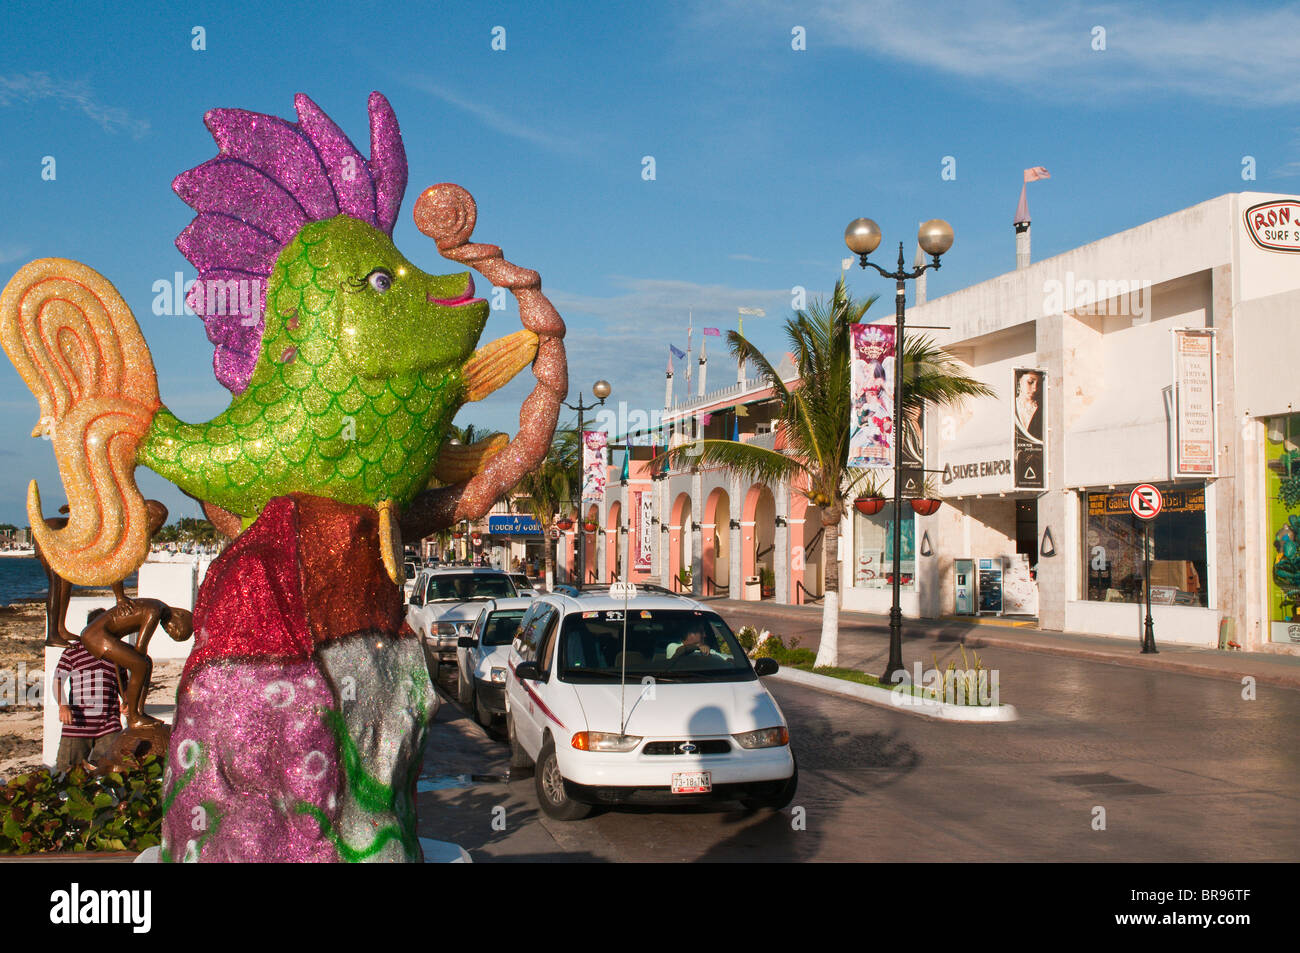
715 555
679 540
758 533
613 560
808 565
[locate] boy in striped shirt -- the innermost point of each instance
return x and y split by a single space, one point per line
90 713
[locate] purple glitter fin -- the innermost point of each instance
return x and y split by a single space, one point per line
270 178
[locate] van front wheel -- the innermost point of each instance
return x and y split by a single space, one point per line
550 788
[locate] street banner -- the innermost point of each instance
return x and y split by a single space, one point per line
871 434
640 542
1029 415
1194 398
593 466
912 447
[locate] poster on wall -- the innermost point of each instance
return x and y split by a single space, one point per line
1282 492
593 466
1029 463
641 510
871 432
1194 400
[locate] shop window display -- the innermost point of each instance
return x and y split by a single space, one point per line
873 549
1282 500
1113 548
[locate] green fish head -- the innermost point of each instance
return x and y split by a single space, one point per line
392 317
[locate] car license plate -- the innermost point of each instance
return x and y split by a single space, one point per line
692 782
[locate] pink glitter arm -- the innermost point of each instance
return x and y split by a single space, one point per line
447 214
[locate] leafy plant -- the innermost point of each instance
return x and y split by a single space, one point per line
1288 491
965 688
42 811
747 636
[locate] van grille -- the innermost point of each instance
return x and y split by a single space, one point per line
710 746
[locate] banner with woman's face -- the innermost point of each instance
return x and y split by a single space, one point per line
1029 414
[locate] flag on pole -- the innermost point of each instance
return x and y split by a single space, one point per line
677 353
1036 173
712 333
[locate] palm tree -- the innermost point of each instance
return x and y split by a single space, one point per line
813 423
548 489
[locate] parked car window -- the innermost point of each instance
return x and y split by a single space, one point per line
501 627
549 641
462 587
532 631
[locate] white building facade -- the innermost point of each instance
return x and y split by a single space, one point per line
1096 328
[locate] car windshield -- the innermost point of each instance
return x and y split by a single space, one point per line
462 587
410 570
664 644
501 627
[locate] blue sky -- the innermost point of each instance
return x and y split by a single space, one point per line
763 153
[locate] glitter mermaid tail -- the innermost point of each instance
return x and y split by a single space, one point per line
303 710
77 346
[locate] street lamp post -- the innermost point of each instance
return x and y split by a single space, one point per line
600 390
862 238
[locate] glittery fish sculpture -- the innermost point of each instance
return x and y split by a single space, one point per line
303 707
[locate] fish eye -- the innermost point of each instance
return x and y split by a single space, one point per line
380 280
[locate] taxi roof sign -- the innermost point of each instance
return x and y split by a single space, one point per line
622 590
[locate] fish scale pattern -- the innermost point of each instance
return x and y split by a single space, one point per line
306 423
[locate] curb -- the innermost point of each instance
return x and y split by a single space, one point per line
1167 662
884 698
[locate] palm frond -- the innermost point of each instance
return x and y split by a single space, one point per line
757 463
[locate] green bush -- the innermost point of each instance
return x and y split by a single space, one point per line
42 811
774 648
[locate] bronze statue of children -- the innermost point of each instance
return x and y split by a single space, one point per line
102 638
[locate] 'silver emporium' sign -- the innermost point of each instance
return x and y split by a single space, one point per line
1274 226
969 471
1194 390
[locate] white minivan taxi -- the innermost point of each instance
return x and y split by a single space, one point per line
620 695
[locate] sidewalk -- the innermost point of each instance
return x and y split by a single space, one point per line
1265 668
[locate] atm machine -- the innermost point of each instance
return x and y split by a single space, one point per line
990 585
964 586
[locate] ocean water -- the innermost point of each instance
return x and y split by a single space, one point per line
21 577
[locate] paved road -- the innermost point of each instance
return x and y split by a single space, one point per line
1184 767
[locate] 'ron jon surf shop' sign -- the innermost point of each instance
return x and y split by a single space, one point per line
1274 226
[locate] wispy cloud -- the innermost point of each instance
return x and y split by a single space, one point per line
71 94
494 118
12 252
1240 54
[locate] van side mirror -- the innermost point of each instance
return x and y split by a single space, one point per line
527 670
766 666
466 642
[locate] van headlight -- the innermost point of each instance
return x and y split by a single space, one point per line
498 676
764 738
604 741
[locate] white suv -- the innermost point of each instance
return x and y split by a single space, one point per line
445 602
641 698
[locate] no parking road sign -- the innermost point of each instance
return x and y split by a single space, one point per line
1145 501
